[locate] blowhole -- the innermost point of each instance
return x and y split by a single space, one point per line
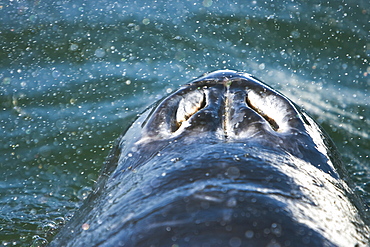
188 106
270 120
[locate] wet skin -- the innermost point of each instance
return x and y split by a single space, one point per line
223 161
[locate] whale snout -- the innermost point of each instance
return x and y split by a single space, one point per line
224 157
233 105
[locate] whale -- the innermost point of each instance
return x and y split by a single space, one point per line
223 161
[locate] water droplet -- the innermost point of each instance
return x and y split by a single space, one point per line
276 229
273 243
231 202
146 190
55 73
295 34
85 226
249 234
83 193
233 172
236 158
60 221
146 21
33 18
73 47
45 151
47 228
38 241
99 52
235 242
6 80
174 160
207 3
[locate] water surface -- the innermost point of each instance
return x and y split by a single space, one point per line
75 74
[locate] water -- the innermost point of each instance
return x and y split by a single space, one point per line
75 74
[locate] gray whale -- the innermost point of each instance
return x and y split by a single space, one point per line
223 161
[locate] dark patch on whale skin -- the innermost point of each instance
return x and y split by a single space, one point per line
213 165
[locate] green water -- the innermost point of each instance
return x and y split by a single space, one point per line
74 75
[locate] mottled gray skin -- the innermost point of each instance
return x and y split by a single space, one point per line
223 161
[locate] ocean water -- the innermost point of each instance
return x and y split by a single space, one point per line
75 74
